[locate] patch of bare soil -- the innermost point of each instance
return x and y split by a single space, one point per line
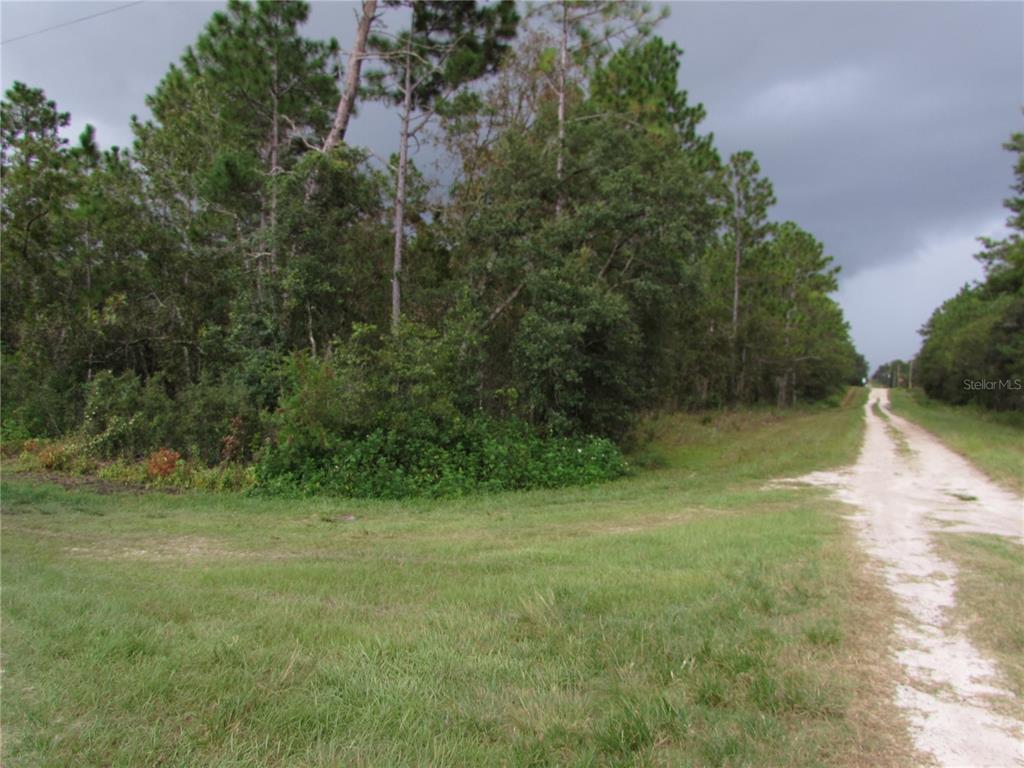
171 550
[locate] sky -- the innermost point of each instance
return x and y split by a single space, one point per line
880 124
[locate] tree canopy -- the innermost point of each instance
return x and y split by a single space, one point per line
222 288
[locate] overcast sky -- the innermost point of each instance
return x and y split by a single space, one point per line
880 124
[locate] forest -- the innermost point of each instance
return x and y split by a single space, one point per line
244 294
973 344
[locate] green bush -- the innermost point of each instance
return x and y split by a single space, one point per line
466 456
126 418
38 401
209 421
218 422
383 418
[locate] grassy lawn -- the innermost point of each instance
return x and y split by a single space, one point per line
993 441
684 616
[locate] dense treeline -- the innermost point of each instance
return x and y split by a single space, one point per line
973 350
243 285
895 373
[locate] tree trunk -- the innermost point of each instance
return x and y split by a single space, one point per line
563 65
403 158
738 261
275 169
735 286
741 378
355 64
787 352
782 400
309 329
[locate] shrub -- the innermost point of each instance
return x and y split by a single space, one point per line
231 477
383 418
55 456
209 421
162 463
126 418
469 456
40 399
218 421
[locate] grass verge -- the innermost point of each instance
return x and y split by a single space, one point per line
993 441
686 616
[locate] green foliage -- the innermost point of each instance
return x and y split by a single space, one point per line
466 456
208 421
381 418
640 84
215 291
126 418
973 350
575 353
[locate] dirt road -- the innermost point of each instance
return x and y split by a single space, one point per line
908 486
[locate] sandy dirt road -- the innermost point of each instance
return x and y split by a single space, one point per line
903 498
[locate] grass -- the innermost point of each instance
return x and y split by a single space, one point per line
900 440
686 616
993 441
990 597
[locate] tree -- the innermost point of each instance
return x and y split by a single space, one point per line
346 104
586 30
448 45
250 97
798 279
178 295
748 196
640 83
978 335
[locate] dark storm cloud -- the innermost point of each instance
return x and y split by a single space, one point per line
877 122
880 124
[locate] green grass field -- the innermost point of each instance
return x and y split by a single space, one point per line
993 441
685 616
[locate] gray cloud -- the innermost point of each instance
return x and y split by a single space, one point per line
880 124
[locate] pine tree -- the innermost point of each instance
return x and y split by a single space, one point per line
447 46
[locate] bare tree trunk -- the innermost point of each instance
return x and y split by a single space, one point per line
740 363
783 397
309 329
403 158
736 285
790 373
275 164
355 64
563 65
